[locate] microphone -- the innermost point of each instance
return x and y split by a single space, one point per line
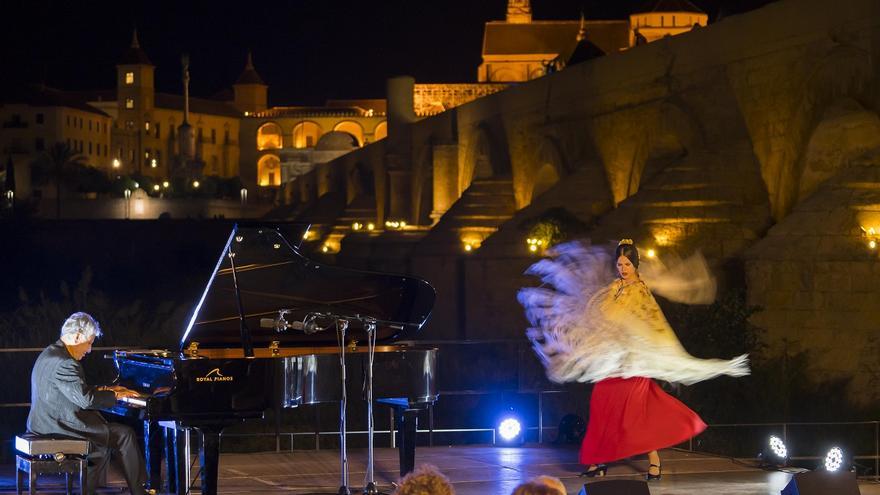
309 325
280 323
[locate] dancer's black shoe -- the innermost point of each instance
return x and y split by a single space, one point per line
654 477
597 471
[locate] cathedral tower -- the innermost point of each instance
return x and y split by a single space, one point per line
250 90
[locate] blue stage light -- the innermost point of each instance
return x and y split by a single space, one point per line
509 429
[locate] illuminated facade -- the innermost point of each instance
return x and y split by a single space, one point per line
266 146
281 143
145 131
665 18
521 49
39 117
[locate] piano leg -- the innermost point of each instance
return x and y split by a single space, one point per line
153 440
407 423
209 455
171 459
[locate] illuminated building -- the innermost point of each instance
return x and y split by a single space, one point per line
36 117
520 48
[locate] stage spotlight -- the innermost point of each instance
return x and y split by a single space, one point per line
775 454
834 460
778 447
510 429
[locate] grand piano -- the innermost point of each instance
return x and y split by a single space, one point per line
269 330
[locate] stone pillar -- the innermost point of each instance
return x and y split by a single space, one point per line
401 112
399 194
445 178
397 200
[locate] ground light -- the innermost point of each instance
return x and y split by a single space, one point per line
510 431
834 460
775 454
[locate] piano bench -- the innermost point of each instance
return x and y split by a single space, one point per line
50 454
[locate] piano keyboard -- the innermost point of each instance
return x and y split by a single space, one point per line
134 401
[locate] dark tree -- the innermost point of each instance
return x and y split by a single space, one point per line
60 160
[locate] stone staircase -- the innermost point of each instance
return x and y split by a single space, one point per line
707 201
477 214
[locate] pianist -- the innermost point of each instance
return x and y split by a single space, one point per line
62 403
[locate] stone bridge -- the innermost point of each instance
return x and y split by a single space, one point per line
755 140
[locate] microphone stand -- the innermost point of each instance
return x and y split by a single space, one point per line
309 326
370 327
341 327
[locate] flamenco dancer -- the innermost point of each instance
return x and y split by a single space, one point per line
616 336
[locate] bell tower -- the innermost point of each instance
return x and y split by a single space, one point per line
519 11
135 98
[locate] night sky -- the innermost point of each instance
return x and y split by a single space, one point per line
307 51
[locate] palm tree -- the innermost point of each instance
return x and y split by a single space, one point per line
61 158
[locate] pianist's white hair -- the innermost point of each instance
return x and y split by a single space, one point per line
79 328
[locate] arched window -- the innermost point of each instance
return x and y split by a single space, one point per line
269 171
352 128
269 137
381 131
306 134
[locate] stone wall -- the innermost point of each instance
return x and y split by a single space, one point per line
700 141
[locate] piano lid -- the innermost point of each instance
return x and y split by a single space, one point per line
272 275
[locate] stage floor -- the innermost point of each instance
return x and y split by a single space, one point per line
475 470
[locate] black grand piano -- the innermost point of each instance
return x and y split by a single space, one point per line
270 328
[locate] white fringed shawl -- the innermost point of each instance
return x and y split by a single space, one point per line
586 331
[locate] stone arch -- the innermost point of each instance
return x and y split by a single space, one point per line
269 137
487 157
846 132
549 168
269 170
361 182
845 71
380 131
664 134
306 134
353 128
677 131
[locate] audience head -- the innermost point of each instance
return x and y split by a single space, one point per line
551 481
535 487
425 480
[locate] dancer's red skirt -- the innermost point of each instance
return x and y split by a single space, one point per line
630 416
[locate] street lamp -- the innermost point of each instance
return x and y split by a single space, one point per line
127 203
116 163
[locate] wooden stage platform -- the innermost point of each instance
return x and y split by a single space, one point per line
474 470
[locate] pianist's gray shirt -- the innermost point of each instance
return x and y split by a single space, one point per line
61 399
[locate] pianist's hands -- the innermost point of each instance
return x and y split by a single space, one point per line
122 392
